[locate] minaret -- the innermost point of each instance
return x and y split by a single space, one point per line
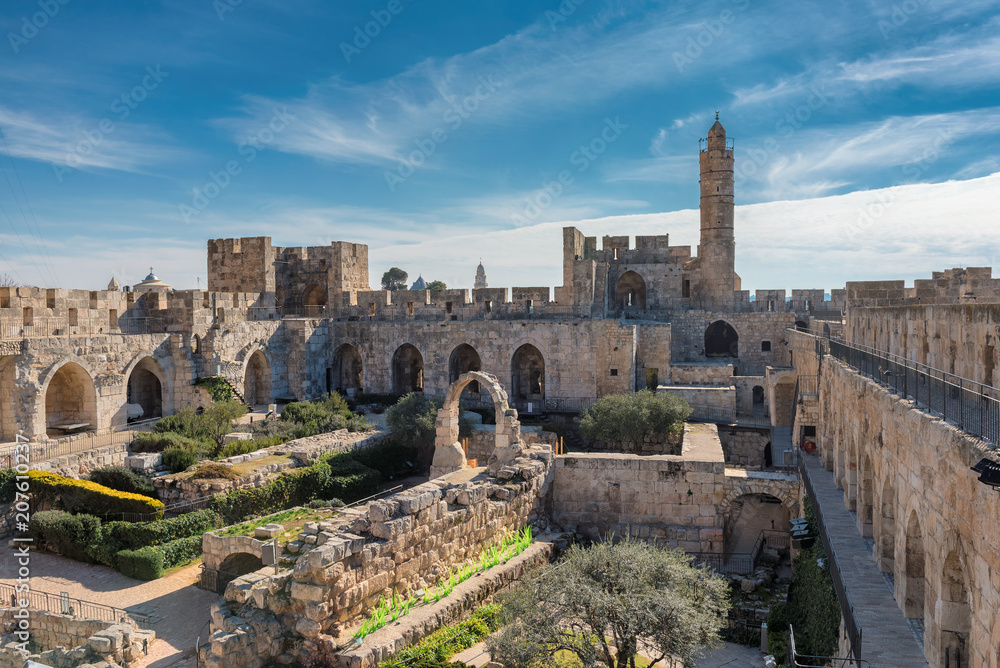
718 246
480 277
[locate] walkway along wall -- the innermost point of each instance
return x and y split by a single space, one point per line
935 528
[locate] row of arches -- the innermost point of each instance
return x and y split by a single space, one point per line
527 370
937 592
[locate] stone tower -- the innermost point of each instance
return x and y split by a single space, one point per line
481 277
718 246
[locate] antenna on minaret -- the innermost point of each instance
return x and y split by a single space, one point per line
716 115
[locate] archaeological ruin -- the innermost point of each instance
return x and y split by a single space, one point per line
887 392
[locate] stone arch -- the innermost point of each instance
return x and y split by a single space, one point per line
527 373
145 386
839 460
314 296
463 359
279 297
348 370
195 345
885 529
731 506
257 379
70 396
8 421
407 370
914 582
866 497
954 614
747 515
721 340
630 292
758 396
448 453
802 325
851 474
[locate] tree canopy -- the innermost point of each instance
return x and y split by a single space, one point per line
606 603
394 279
628 418
437 285
411 423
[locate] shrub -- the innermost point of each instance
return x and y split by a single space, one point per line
158 442
629 418
134 535
215 472
146 563
812 608
69 535
79 495
8 478
179 459
218 388
434 650
328 414
123 479
411 424
180 551
235 448
213 423
389 458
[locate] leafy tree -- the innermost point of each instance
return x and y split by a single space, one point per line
628 418
411 424
605 603
437 285
394 279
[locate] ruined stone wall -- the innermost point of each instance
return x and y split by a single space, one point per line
743 446
688 336
401 543
958 338
907 476
79 465
67 642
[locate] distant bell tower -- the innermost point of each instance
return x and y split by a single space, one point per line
718 245
480 276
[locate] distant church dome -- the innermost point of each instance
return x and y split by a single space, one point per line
480 276
150 283
419 284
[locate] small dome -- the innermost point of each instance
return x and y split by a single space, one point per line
113 285
419 284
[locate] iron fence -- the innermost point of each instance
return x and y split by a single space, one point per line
46 326
63 604
806 661
720 415
43 451
743 563
851 624
808 384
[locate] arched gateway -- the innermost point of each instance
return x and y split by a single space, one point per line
448 453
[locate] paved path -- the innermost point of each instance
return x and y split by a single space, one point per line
887 640
177 608
728 656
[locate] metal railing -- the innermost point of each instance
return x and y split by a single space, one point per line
851 624
808 385
719 415
43 451
62 604
972 406
806 661
46 326
743 563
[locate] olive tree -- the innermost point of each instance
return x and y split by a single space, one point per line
606 603
628 418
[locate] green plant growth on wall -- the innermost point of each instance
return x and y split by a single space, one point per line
812 609
217 386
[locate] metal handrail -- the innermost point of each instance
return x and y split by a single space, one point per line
64 605
822 661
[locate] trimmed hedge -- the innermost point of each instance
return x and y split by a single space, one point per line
143 564
85 496
8 477
134 535
123 479
338 476
180 551
69 535
152 441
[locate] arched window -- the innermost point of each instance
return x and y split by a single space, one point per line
527 371
630 292
407 370
464 359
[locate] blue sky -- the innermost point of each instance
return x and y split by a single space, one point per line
135 131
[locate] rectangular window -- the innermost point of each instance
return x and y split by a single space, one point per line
686 289
28 316
371 309
93 300
614 372
765 346
489 306
809 431
447 308
72 317
409 307
112 318
4 297
770 306
652 379
530 305
50 299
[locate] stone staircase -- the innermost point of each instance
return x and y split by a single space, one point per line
781 441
